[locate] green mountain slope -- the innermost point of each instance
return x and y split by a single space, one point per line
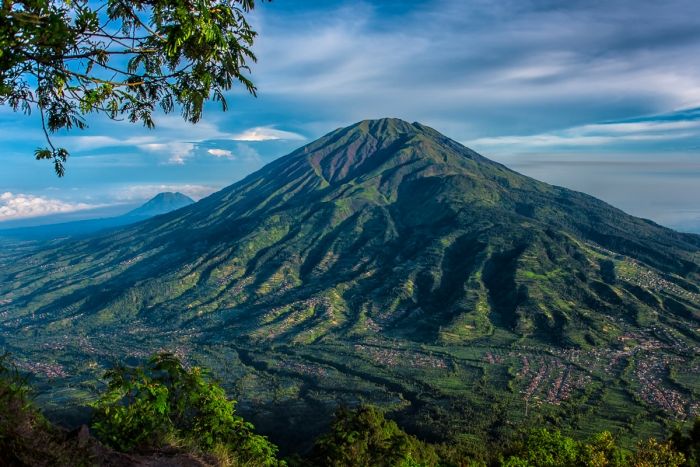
384 262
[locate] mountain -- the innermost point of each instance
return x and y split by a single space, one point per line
159 204
387 263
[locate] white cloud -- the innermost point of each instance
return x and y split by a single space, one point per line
19 206
570 140
600 134
642 126
176 139
477 67
177 151
220 153
266 134
246 153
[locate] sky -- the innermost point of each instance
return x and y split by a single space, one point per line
598 96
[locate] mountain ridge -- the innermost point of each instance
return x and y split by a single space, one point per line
386 255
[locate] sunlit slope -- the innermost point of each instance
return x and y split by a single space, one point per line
383 226
385 263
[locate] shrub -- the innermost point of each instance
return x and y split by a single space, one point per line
164 403
26 437
653 453
602 451
544 448
365 438
688 444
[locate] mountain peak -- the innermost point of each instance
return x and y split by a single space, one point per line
385 126
161 203
369 144
386 246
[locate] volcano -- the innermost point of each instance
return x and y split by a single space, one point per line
383 262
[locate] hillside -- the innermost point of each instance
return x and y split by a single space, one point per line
386 263
159 204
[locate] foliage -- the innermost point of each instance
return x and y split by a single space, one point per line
652 453
365 438
163 402
688 444
26 437
547 448
602 451
120 58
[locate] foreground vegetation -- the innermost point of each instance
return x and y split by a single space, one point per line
163 413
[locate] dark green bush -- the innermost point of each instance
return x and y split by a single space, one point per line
550 448
688 444
164 403
365 438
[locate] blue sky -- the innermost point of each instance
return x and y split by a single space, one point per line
599 96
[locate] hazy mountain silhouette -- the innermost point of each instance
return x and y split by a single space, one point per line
159 204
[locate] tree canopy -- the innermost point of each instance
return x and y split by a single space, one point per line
121 58
151 405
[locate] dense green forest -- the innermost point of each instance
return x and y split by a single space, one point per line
164 413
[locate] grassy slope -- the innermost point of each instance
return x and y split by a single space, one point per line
383 262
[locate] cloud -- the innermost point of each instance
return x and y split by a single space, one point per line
220 153
177 140
177 151
676 126
482 68
571 138
19 206
246 153
265 134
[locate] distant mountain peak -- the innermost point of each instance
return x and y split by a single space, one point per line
161 204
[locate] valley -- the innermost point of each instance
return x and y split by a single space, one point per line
387 264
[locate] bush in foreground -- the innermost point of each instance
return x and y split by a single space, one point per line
26 437
165 404
363 437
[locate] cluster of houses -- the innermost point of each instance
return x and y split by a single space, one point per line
394 357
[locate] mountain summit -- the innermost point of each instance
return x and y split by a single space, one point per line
160 204
401 266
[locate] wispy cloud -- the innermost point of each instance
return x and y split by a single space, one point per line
178 140
677 126
220 152
266 134
483 68
177 151
20 206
